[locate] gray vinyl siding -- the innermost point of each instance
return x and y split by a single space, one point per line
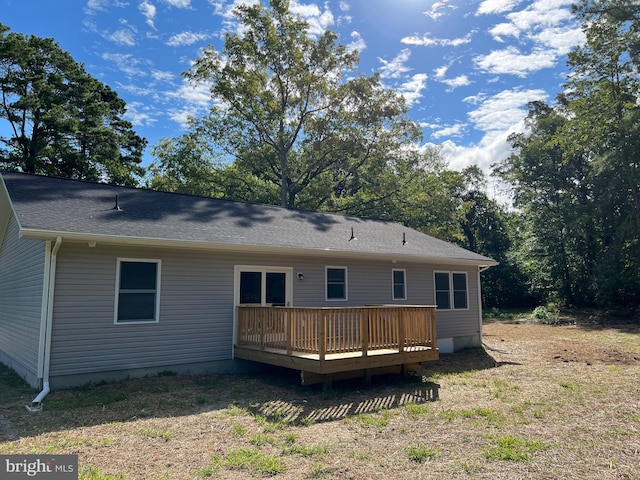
22 267
196 304
459 323
195 318
369 283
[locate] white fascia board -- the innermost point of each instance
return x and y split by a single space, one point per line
228 247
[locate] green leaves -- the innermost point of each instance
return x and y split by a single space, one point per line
289 108
576 173
62 121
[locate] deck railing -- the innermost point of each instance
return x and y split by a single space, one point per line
328 330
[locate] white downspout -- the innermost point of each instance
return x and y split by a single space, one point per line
36 403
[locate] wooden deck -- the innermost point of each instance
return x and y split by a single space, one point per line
328 341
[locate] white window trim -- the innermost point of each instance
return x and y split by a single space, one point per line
156 315
326 284
451 293
288 271
393 290
466 290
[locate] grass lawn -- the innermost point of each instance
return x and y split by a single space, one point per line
545 402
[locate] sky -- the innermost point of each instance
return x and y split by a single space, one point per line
467 68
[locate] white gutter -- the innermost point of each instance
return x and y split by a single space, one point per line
37 234
45 353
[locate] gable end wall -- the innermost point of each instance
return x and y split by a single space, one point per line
22 267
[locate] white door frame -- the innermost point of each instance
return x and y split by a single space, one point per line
264 269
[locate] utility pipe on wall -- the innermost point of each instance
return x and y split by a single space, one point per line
36 403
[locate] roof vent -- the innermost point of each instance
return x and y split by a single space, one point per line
404 238
353 237
117 206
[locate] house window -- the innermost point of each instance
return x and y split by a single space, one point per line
264 286
399 285
137 291
451 290
336 284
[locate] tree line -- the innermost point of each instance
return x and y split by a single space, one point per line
294 123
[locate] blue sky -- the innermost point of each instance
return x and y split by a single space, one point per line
466 68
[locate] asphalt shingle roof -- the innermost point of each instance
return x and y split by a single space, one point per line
76 208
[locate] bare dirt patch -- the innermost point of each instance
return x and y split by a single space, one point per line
568 343
546 402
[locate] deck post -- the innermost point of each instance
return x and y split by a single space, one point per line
288 319
364 331
322 335
261 322
432 323
401 335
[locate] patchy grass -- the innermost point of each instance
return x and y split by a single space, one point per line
421 453
514 449
550 401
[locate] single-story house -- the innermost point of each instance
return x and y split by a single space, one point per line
101 282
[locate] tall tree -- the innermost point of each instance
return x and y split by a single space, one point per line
290 108
576 172
553 191
62 121
603 101
187 164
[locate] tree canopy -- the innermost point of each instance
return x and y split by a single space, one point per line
291 112
62 121
576 172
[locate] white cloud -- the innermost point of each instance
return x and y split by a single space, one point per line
195 100
397 67
139 115
561 39
149 11
123 37
511 61
186 38
226 10
496 6
179 3
426 41
453 83
544 22
504 30
491 149
137 90
356 43
94 6
411 90
504 110
449 131
161 76
126 63
318 20
435 12
498 117
542 14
